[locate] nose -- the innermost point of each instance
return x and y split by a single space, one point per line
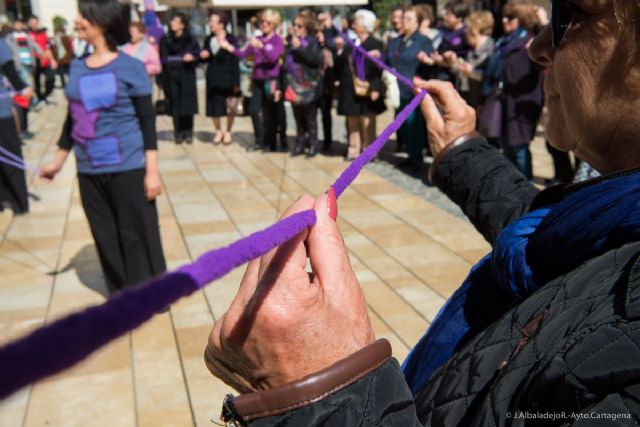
540 50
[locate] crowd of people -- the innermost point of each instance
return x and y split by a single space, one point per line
314 61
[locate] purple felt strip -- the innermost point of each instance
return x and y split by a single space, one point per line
218 262
370 152
69 340
11 155
20 165
377 61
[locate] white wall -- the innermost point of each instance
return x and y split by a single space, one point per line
47 9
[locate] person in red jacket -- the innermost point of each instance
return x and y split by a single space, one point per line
45 63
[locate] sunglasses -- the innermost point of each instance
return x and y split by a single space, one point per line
561 15
298 25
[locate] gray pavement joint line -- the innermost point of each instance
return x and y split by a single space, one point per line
53 285
420 280
381 318
173 325
133 380
401 219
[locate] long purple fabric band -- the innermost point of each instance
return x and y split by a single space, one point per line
69 340
8 158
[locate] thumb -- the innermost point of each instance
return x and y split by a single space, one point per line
327 252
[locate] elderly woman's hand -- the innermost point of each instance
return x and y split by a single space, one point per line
456 119
286 323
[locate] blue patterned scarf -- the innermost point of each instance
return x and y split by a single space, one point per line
530 252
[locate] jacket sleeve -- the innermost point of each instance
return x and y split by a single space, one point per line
381 398
310 56
373 72
65 142
486 185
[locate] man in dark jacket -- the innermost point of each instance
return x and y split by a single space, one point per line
545 328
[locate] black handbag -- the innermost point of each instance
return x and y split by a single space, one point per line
161 107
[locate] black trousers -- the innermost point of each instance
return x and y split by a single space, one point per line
306 125
326 103
49 80
264 116
13 184
182 126
124 227
24 119
63 73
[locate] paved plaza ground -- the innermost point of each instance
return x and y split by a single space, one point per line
409 246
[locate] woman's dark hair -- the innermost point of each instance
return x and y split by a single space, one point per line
111 17
184 19
222 17
460 10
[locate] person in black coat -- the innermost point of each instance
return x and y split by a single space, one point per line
512 88
304 82
179 50
553 313
223 75
361 109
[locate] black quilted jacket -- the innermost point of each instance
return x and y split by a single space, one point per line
567 355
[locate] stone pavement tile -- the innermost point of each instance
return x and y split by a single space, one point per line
198 212
161 395
397 313
13 408
17 323
191 312
399 348
101 399
444 277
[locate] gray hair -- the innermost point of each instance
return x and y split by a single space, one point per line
367 19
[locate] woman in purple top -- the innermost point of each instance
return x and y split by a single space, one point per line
266 91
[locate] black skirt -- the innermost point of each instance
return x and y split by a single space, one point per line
217 102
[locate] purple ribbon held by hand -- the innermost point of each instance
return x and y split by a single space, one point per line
61 344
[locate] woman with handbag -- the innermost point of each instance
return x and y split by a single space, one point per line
361 95
179 49
223 77
266 90
304 82
511 109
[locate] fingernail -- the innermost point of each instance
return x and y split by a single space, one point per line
332 204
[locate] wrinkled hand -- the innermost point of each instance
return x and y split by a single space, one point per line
286 323
277 95
50 170
436 58
188 57
375 96
424 58
375 53
27 92
295 42
204 54
152 185
465 68
457 118
224 44
449 58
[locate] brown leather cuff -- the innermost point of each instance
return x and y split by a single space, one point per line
450 146
309 389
